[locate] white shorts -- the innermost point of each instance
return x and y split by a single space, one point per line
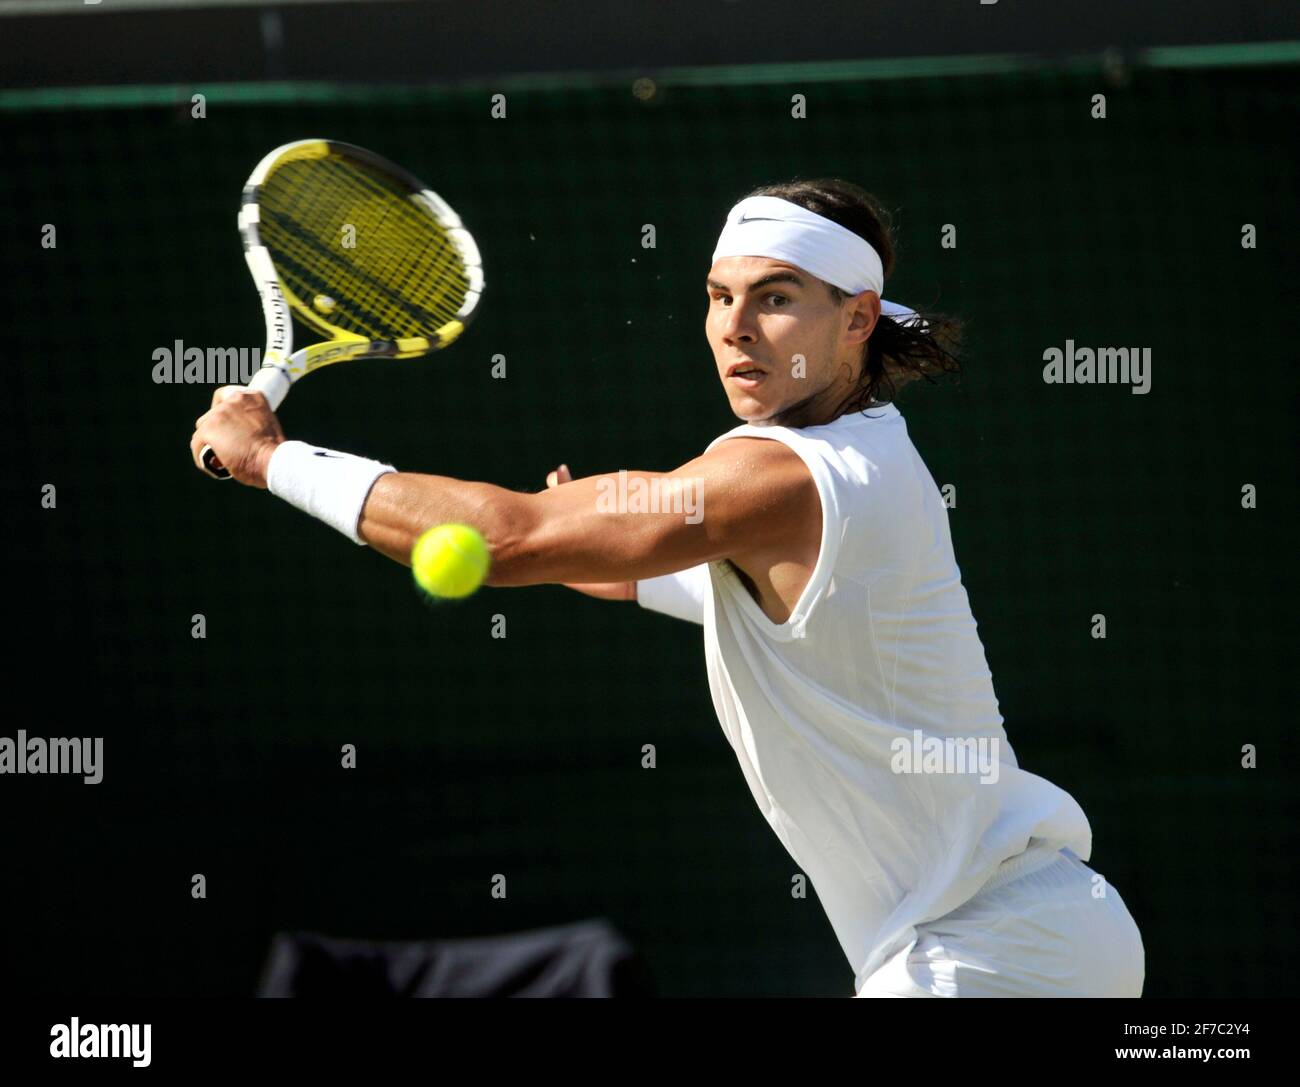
1037 928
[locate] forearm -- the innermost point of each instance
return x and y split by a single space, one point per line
560 536
403 505
606 590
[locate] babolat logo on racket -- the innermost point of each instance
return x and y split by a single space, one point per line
279 324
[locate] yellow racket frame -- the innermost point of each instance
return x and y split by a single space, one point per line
281 366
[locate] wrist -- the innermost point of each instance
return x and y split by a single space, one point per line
262 461
329 485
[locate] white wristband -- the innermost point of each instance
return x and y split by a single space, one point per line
329 485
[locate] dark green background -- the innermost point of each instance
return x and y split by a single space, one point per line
522 756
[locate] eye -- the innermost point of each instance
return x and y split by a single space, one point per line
777 300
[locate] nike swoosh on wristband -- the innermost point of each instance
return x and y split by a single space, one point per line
320 453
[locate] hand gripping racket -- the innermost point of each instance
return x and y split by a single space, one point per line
358 250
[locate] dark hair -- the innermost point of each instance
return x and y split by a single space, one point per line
895 354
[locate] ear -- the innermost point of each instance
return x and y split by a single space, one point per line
863 313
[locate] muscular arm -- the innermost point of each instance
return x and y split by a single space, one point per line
749 496
746 499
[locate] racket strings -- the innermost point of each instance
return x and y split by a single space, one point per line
366 305
396 274
390 285
396 246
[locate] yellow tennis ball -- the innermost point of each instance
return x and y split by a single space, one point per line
450 561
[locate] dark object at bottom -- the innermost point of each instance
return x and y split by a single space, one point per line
590 958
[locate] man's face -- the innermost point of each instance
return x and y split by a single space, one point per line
780 341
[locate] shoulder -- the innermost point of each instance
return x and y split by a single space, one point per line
766 463
765 488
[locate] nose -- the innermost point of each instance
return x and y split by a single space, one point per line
738 325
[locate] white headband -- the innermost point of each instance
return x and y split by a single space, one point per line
767 226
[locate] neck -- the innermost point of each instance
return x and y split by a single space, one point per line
824 406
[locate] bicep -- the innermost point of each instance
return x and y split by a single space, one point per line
744 496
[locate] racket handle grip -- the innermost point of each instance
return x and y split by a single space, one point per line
273 383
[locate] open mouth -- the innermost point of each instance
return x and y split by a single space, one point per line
747 374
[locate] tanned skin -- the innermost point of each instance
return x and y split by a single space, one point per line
760 507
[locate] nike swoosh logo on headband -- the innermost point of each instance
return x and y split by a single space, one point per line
758 219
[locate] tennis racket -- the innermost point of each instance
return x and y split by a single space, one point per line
359 251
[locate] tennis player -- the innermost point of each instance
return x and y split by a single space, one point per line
842 656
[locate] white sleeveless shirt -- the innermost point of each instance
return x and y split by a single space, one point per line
866 724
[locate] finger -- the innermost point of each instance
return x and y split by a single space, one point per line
551 481
197 442
225 393
565 475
